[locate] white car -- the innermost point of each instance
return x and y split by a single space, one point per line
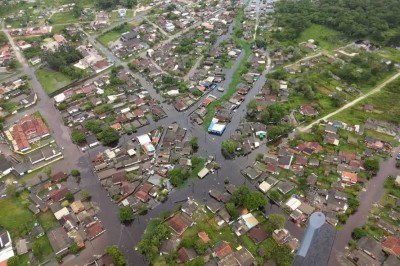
221 89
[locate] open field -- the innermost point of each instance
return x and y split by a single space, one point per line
385 104
326 38
113 35
64 17
51 80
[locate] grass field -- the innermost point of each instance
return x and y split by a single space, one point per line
15 217
326 38
113 35
64 17
51 80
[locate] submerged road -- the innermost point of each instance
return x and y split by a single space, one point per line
373 193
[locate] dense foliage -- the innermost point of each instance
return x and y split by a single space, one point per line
112 4
353 18
62 59
116 256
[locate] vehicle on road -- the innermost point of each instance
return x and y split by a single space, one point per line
221 89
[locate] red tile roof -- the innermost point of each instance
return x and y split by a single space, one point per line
94 230
178 224
392 245
203 236
28 129
222 250
143 196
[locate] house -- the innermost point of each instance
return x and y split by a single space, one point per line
59 194
59 240
257 234
22 246
280 235
94 230
285 187
204 237
77 206
186 255
179 223
5 166
308 110
349 178
26 131
92 141
222 249
245 258
359 258
372 248
392 245
6 249
58 177
170 245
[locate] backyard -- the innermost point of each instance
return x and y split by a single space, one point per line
324 37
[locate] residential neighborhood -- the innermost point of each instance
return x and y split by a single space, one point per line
199 132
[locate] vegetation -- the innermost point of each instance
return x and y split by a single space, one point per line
228 148
194 142
108 135
112 4
354 19
85 194
156 231
52 80
126 214
61 61
113 34
177 176
243 197
116 255
78 137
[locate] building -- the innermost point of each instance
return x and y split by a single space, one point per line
392 245
6 250
59 240
28 130
317 242
5 166
216 128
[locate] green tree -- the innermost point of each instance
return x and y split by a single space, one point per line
116 255
195 143
126 214
69 196
75 173
239 196
371 165
74 249
85 194
78 137
228 147
94 126
109 135
358 233
200 247
275 221
232 210
37 248
254 200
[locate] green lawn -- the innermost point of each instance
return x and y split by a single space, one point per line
52 80
47 220
64 17
15 217
45 248
326 38
113 35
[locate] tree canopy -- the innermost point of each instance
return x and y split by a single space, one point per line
108 135
378 20
116 256
243 197
126 214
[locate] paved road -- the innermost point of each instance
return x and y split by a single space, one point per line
350 104
373 193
